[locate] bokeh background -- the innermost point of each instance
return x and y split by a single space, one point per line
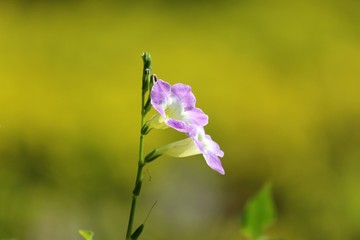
279 80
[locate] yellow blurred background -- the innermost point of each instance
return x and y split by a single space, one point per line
280 81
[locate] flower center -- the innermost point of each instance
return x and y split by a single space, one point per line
174 110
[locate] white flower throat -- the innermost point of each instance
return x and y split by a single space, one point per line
174 110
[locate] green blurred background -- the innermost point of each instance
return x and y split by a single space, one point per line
280 81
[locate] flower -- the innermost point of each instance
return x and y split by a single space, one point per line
176 108
199 143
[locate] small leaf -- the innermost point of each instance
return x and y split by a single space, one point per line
137 232
259 213
87 235
137 188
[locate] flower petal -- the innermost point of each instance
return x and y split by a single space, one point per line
183 93
196 117
209 149
214 162
160 96
178 125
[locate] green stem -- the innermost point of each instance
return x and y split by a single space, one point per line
141 164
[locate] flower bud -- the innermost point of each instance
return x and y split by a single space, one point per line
146 80
147 71
147 106
182 148
153 80
147 59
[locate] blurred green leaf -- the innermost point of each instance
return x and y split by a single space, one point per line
88 235
259 212
137 232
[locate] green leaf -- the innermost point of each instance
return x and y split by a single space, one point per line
137 232
88 235
259 212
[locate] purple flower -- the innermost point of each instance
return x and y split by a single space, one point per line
199 143
176 107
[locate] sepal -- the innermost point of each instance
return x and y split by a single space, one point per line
145 128
151 156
